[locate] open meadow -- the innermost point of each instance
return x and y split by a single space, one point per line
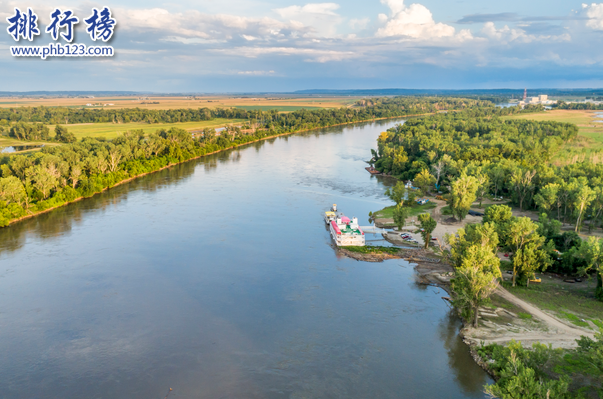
588 146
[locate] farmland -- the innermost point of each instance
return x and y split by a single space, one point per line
283 104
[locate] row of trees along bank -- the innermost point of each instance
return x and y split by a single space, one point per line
373 108
57 175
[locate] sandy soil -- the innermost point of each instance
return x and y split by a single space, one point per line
544 328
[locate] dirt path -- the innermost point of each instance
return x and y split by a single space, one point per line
550 330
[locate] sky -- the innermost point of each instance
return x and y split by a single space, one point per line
234 46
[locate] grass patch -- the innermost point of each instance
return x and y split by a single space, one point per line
524 316
112 130
370 249
575 319
553 296
416 209
597 323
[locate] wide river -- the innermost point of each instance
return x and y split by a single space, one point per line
217 278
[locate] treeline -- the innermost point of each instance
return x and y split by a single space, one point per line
577 106
377 108
40 132
60 174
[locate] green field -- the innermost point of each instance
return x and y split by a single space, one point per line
414 210
112 130
588 146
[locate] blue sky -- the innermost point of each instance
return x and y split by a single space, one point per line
276 45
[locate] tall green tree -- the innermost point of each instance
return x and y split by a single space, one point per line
475 280
400 216
397 193
521 232
12 190
428 225
591 251
522 184
425 181
463 195
582 196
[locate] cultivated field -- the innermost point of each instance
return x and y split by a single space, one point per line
283 104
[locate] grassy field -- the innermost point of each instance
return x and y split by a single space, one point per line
286 104
388 212
588 146
573 302
112 130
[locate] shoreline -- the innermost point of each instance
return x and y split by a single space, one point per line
22 218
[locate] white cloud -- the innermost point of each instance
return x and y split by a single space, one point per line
594 12
359 24
320 16
194 24
255 73
414 21
507 35
313 55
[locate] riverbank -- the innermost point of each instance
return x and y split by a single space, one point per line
171 164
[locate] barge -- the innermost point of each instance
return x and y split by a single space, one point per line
346 232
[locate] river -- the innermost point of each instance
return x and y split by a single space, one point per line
216 278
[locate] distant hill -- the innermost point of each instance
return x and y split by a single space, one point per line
431 92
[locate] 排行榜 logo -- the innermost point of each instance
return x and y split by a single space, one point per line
100 26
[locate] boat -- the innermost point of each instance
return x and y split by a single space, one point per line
346 232
330 216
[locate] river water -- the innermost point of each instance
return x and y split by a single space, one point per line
216 278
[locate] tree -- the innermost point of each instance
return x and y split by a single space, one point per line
548 198
518 380
591 251
398 193
425 181
42 180
463 195
475 280
498 214
483 187
400 216
582 196
522 184
521 232
497 176
439 169
547 227
529 259
482 235
12 190
62 135
428 225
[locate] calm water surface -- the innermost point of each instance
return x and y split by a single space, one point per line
216 278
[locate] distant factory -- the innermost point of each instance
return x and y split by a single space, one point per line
541 99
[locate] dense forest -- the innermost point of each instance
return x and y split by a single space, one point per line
476 154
